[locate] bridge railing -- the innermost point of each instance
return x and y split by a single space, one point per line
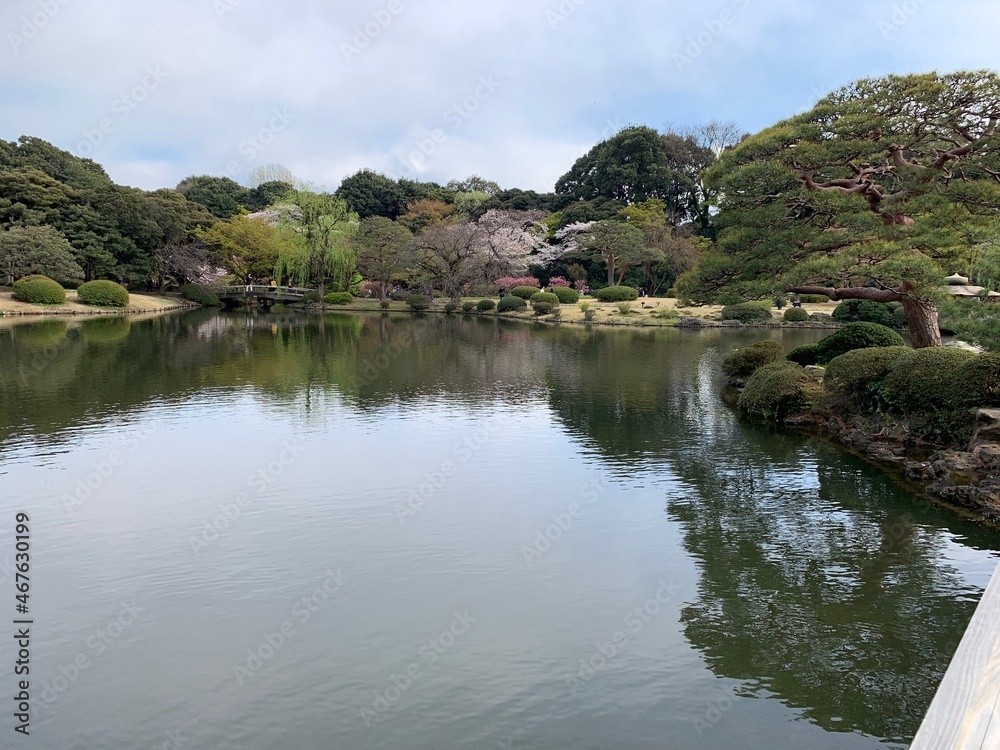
248 289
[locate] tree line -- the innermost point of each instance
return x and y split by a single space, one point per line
877 192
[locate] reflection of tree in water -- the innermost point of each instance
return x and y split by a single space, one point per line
815 584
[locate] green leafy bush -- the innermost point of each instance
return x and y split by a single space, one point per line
624 308
921 381
450 307
524 292
795 315
666 313
617 294
103 294
804 355
541 307
338 298
584 306
511 303
857 375
200 295
977 382
776 391
744 362
399 296
311 297
747 312
418 302
485 305
544 297
384 304
567 295
468 307
39 290
857 336
814 299
898 314
864 311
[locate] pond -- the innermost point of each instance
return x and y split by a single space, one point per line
255 531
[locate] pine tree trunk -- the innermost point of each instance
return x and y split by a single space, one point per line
922 320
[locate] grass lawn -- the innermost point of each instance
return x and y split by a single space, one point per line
138 303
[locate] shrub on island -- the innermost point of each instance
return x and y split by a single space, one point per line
804 355
103 293
511 304
921 382
39 290
744 362
338 298
856 376
747 312
777 390
617 294
856 336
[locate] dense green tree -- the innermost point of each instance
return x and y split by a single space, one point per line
37 249
877 193
247 248
383 248
222 196
369 193
474 184
267 194
620 245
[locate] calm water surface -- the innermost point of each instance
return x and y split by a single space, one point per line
380 532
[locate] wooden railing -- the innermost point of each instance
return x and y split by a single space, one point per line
965 712
257 290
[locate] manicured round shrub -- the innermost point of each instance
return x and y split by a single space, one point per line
103 294
977 382
384 304
399 296
524 292
566 295
804 355
485 305
795 315
920 382
511 304
541 307
776 391
857 375
450 307
864 311
106 329
418 302
815 299
747 312
617 294
338 298
468 307
200 295
743 362
549 297
857 336
39 290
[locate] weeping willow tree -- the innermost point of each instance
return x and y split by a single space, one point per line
319 251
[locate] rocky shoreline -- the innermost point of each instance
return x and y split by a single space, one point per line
968 479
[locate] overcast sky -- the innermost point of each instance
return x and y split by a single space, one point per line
515 91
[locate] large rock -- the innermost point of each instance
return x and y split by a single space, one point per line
987 428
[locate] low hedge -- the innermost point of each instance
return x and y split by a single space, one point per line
511 304
795 315
857 375
541 307
39 290
549 297
804 355
743 362
485 305
524 292
103 293
200 295
921 382
312 297
814 299
856 336
747 312
566 295
338 298
977 382
617 294
777 390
